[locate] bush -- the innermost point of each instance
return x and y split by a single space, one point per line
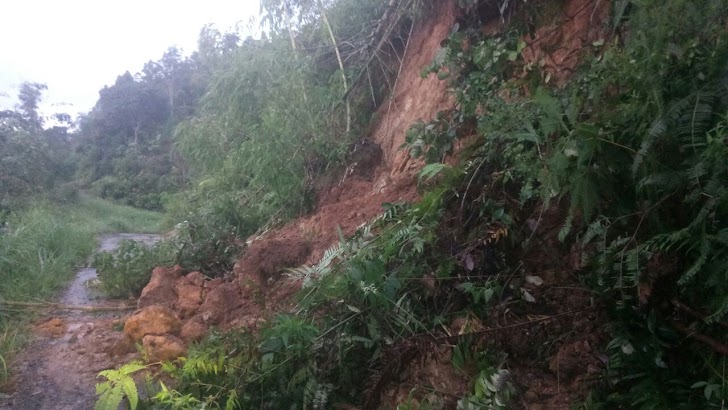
125 272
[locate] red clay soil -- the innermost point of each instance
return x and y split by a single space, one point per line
562 45
415 98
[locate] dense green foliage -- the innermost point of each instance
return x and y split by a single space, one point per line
125 142
33 159
39 249
636 145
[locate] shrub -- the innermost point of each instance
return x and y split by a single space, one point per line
125 272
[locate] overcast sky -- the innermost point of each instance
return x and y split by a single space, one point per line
78 46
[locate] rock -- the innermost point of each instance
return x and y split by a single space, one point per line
195 278
365 157
119 347
189 297
194 330
161 290
212 284
152 320
265 259
159 348
219 301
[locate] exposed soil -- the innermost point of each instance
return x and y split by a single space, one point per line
58 369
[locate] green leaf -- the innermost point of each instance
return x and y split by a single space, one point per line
431 170
130 389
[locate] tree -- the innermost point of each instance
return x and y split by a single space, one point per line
30 96
31 159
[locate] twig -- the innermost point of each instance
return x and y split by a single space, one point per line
527 323
694 313
68 307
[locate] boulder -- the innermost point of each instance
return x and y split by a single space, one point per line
152 320
161 287
219 301
195 278
159 348
266 259
189 296
194 330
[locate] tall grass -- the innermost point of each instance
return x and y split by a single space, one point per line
102 216
41 246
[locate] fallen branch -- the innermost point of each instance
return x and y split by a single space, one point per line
694 313
717 346
67 307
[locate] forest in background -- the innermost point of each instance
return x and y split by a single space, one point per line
618 168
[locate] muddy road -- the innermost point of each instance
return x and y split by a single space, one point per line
58 368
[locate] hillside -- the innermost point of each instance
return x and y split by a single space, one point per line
452 204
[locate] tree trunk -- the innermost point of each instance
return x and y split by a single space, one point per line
341 65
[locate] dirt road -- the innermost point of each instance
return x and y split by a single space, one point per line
57 370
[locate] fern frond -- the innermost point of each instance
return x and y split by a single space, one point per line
705 251
596 228
566 228
666 181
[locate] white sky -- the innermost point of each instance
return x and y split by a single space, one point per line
78 46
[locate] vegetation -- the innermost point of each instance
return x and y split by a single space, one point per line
629 155
34 159
635 146
102 216
125 147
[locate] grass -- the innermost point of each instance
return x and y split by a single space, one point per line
42 245
103 216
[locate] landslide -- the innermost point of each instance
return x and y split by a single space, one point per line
554 347
379 172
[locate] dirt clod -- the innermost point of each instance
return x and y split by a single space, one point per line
194 330
189 297
152 320
219 302
55 327
159 348
264 260
160 290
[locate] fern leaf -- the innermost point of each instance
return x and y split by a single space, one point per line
595 229
566 229
705 251
232 401
130 389
309 394
110 399
132 367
